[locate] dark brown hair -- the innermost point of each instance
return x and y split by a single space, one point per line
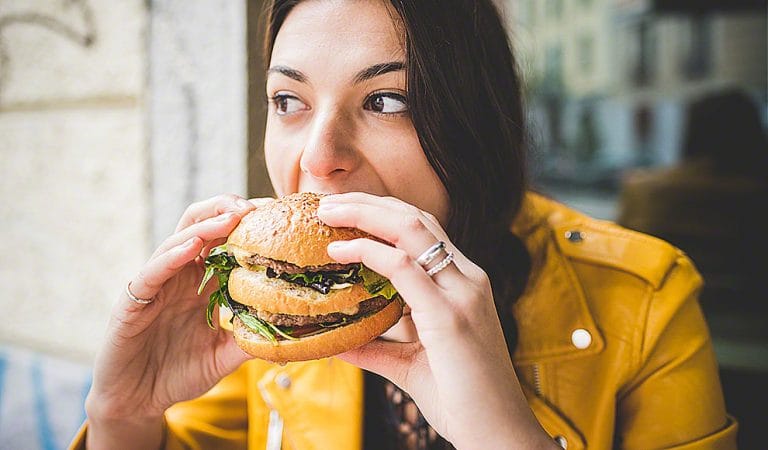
465 102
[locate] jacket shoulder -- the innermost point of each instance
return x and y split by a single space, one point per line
584 239
607 244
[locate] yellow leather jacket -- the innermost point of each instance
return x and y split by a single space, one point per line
613 352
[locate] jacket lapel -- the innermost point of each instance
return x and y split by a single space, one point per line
553 305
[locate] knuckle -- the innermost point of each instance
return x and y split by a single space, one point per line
144 278
401 260
413 223
431 217
190 210
480 276
456 320
225 198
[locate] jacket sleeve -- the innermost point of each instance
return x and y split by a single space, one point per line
218 419
674 398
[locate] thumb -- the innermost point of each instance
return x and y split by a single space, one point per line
229 355
392 360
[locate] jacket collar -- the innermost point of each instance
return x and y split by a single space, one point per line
553 305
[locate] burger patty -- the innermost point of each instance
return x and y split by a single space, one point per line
287 320
286 267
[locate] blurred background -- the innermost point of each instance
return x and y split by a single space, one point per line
115 115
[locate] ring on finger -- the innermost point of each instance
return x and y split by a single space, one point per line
140 301
441 265
430 254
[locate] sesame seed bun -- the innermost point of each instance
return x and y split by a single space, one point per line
287 230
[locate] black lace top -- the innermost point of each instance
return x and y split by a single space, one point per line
392 420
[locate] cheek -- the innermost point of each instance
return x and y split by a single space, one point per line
281 158
409 177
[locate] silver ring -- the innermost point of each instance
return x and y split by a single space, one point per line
140 301
441 265
430 254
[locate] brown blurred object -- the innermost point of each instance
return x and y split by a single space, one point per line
714 203
714 206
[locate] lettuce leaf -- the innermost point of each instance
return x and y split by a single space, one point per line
376 284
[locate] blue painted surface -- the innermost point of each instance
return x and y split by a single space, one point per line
41 399
86 388
3 365
44 429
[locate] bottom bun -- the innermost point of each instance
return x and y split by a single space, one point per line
332 342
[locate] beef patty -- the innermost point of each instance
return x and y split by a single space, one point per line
286 320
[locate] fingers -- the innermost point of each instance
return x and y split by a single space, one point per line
207 230
392 360
214 206
404 226
409 278
158 270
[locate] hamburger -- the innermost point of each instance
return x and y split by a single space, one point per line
289 300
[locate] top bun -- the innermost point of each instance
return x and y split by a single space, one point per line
288 229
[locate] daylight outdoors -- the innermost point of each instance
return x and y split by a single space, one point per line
115 115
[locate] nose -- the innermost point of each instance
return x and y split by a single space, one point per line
328 151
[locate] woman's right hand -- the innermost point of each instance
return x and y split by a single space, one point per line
162 353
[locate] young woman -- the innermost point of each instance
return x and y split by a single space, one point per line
547 329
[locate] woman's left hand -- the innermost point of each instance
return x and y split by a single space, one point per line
458 371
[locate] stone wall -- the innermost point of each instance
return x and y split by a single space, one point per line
114 115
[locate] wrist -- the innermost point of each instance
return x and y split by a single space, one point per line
116 425
148 433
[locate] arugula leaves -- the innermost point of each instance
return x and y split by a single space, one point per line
219 264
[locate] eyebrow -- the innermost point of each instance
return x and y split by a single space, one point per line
364 75
378 69
288 72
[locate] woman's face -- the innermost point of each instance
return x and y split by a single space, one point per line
338 119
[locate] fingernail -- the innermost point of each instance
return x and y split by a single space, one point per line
188 243
336 245
243 203
331 198
327 206
223 217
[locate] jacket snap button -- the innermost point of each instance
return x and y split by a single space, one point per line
561 441
581 338
283 380
574 236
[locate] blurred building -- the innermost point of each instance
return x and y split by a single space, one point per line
609 79
609 85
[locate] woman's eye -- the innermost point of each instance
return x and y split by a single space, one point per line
287 104
386 103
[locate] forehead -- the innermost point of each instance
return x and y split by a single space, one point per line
338 33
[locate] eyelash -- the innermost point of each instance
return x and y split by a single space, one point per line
280 97
274 99
392 95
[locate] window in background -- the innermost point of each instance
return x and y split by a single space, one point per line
653 113
696 40
586 49
554 9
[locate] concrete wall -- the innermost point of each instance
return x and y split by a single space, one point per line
114 115
73 183
198 107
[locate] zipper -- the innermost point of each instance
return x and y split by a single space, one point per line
537 380
274 431
275 426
